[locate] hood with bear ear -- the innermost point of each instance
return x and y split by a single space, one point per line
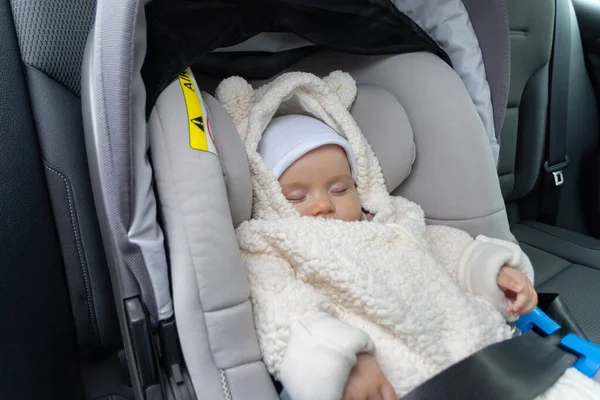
328 99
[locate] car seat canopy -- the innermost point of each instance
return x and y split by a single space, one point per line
361 27
259 40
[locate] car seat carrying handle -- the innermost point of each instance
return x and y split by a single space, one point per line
520 368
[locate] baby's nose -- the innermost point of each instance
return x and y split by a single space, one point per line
323 206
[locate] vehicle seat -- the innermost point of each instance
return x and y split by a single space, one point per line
59 337
420 136
565 259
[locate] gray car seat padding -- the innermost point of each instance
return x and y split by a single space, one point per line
386 127
453 177
210 291
113 96
235 169
449 24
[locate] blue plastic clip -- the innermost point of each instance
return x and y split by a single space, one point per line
588 362
538 318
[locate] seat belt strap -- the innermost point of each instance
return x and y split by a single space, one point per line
521 368
557 159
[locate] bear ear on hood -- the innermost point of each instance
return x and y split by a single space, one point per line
238 97
342 84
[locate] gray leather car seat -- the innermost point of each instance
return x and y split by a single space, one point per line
565 259
59 336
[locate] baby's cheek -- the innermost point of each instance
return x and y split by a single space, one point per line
358 214
357 206
351 210
301 208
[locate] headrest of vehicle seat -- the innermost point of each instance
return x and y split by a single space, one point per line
377 112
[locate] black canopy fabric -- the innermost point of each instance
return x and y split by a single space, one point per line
182 33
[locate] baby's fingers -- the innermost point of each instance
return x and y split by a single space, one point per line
517 288
523 299
532 302
387 392
508 282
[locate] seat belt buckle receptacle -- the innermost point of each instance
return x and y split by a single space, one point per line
557 170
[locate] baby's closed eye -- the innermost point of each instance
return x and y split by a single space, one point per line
341 186
339 189
295 196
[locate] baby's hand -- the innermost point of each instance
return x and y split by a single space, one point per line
517 288
367 382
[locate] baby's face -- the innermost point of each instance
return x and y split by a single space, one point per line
320 184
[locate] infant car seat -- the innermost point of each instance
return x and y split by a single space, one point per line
200 210
165 158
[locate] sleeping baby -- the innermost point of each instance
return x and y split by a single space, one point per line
354 296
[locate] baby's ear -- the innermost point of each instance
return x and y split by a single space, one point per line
343 85
238 97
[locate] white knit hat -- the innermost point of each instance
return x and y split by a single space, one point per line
290 137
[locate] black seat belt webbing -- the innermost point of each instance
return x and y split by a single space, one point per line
521 368
559 99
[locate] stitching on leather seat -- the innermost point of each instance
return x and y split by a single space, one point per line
79 247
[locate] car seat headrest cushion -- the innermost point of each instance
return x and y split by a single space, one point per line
386 127
377 112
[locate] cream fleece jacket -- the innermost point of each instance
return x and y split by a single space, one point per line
419 297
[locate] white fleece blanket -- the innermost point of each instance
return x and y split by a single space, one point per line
419 297
373 276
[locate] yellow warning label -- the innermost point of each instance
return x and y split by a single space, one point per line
198 126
